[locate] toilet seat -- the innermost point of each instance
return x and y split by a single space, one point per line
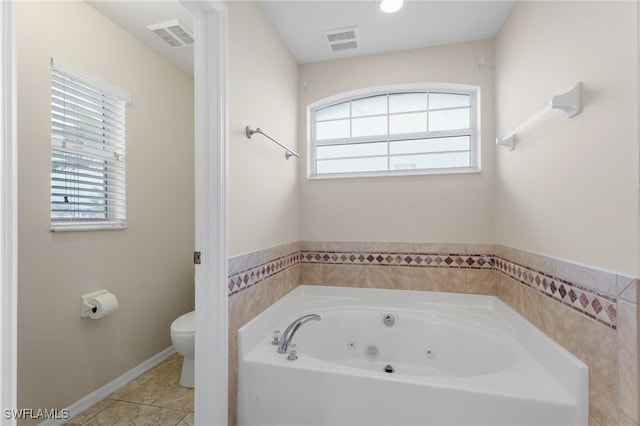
184 324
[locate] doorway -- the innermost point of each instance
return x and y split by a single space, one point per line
210 27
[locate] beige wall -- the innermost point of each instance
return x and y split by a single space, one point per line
453 208
62 357
263 186
570 188
264 199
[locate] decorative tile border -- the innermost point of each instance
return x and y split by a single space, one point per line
593 304
597 306
253 275
423 260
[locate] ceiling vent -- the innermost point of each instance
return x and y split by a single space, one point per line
341 39
174 33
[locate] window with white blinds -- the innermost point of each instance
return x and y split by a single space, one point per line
88 187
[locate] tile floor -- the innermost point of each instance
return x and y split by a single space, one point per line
154 398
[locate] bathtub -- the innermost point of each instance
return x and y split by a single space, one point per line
393 357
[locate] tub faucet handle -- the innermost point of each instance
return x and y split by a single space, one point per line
292 352
276 337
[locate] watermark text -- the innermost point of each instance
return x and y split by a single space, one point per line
35 414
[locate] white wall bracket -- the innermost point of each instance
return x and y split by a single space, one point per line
570 103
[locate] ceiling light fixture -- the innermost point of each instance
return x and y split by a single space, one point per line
391 6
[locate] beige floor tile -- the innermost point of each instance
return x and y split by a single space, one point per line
188 420
171 364
132 385
90 412
162 390
125 413
154 398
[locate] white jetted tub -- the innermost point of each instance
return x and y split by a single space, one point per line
393 357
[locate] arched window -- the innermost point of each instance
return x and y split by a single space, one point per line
407 130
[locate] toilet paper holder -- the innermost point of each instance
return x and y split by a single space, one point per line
87 308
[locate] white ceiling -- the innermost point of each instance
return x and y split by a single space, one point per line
136 16
419 23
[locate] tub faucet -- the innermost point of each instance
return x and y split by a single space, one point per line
291 330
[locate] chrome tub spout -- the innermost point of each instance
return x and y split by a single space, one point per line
291 330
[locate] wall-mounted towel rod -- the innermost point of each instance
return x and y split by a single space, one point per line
289 152
570 103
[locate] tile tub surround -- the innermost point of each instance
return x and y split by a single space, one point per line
593 304
253 275
592 313
256 281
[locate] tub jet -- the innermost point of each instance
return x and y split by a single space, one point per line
388 320
388 368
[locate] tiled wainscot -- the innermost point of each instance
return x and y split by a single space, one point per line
590 312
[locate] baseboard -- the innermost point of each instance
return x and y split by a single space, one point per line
106 390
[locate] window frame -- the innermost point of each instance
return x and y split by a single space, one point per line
474 130
79 149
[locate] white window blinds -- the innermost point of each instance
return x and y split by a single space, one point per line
88 189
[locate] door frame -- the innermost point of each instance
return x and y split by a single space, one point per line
8 211
210 86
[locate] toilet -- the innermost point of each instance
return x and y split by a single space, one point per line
183 334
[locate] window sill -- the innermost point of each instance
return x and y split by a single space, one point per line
394 173
89 226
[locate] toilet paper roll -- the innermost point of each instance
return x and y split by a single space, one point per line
105 304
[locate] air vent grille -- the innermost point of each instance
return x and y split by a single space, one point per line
174 33
341 39
337 47
337 37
